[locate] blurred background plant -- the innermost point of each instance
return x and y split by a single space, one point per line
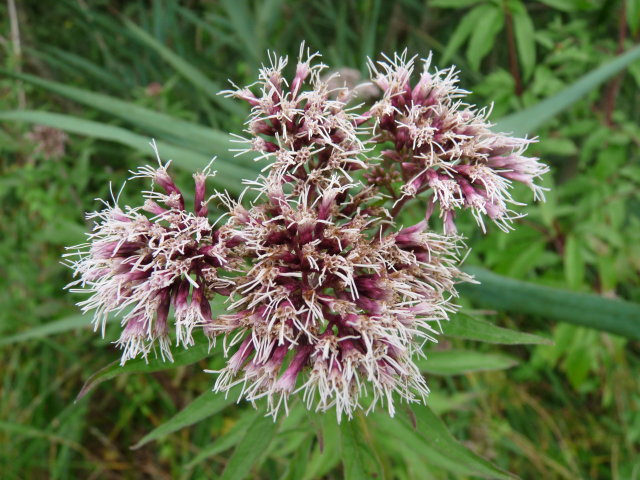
86 84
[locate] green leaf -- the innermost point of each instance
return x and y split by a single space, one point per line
633 15
73 322
505 294
188 71
528 120
180 358
326 455
489 23
462 32
204 139
228 440
458 362
229 176
254 443
525 40
358 461
202 407
452 3
473 328
436 434
574 266
425 442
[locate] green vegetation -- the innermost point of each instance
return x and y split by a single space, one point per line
544 385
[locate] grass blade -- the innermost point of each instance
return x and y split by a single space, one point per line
187 70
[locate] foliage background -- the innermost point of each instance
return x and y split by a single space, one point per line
566 410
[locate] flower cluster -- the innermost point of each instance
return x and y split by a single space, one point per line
141 261
441 144
326 295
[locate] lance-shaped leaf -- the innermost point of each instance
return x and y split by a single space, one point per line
473 328
202 407
528 120
253 445
505 294
458 362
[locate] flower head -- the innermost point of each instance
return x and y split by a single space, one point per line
331 306
441 144
141 261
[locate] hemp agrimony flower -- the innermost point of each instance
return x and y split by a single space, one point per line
439 143
327 295
143 260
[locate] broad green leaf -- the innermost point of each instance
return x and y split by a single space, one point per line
181 357
458 362
254 443
229 176
483 35
202 407
473 328
505 294
188 71
525 39
463 30
528 120
358 460
228 440
73 322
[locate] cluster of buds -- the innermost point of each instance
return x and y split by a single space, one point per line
325 294
441 145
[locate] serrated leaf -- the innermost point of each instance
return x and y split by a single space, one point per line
458 362
505 294
473 328
202 407
528 120
489 23
254 443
